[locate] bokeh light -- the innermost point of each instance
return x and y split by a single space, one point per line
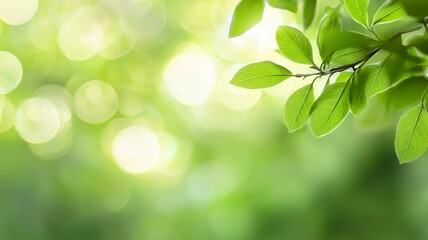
37 120
10 72
136 149
17 12
7 114
95 101
81 37
190 76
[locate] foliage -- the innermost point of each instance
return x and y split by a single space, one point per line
366 52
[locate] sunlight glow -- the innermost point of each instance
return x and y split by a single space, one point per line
190 77
136 149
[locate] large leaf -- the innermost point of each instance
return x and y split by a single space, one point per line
294 45
247 14
357 95
329 27
260 75
290 5
388 12
298 107
330 109
411 139
309 11
358 10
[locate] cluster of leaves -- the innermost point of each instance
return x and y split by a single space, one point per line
365 53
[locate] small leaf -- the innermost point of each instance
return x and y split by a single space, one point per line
290 5
411 139
389 12
294 45
309 11
247 14
298 106
330 109
329 27
260 75
358 10
357 95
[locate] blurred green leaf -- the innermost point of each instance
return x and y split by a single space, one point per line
260 75
247 14
298 107
357 95
329 26
294 45
411 139
330 109
416 8
358 9
309 11
290 5
388 12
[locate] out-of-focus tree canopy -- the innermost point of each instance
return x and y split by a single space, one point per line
117 121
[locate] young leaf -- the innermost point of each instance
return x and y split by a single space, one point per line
298 106
350 55
385 75
294 45
388 12
260 75
343 77
357 95
330 109
329 27
411 139
309 10
290 5
358 10
247 14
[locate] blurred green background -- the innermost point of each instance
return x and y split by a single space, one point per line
118 122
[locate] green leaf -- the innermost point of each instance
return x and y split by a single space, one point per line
294 45
309 11
416 8
290 5
357 95
411 139
389 12
330 109
358 9
343 77
350 55
329 27
247 14
298 107
386 74
260 75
